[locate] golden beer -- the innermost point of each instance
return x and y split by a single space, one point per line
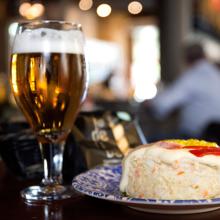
48 88
49 82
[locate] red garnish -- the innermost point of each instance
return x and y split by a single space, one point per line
200 152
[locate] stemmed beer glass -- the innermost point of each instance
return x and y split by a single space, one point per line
49 82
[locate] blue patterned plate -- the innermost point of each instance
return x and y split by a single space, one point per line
103 183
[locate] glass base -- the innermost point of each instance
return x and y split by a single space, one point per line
47 194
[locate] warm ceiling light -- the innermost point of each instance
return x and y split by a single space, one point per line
35 11
104 10
31 11
135 7
85 4
24 7
39 7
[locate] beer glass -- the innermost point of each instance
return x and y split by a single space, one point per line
49 82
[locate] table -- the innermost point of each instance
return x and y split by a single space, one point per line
80 207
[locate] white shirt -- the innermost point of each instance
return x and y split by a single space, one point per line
197 94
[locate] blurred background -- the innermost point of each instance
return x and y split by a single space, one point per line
133 48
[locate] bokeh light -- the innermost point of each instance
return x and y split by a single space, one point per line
24 7
85 5
104 10
135 7
31 11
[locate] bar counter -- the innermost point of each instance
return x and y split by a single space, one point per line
12 207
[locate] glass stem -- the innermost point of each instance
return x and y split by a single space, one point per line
52 154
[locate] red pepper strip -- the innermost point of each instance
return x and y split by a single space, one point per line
206 151
198 151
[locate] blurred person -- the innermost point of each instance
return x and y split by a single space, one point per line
196 94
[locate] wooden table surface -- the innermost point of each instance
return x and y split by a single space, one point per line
82 207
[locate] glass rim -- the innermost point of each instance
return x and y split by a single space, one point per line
74 25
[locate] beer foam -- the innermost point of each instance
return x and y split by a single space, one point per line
45 40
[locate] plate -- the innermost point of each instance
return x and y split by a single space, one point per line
102 182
